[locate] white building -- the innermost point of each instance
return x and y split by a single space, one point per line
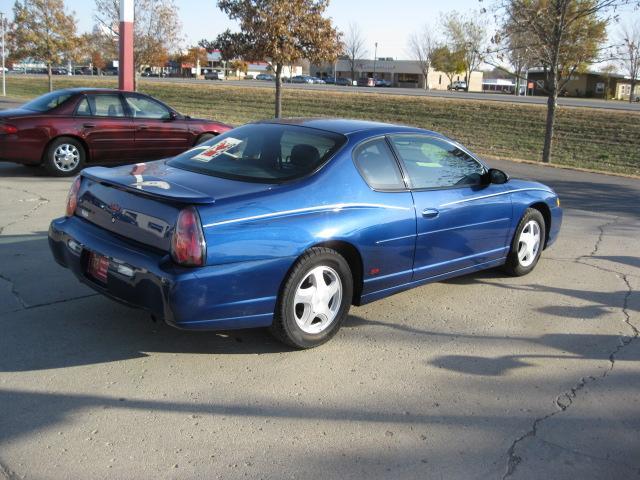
400 73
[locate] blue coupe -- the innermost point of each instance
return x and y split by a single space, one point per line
287 223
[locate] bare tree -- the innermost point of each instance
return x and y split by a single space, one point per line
156 29
564 35
512 54
421 46
466 34
354 47
629 53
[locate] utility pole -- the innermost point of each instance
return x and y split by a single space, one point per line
375 58
126 71
4 80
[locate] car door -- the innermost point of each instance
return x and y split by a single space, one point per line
159 132
461 221
105 127
388 243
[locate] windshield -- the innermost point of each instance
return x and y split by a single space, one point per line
48 101
268 153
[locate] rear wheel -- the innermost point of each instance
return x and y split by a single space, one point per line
204 137
64 157
314 300
527 244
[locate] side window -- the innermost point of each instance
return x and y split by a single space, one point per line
142 107
106 105
84 109
375 162
436 163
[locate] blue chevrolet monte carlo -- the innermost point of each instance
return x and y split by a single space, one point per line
286 224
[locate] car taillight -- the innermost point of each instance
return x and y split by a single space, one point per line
8 128
72 197
188 247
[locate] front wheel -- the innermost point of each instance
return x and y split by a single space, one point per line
64 157
527 244
314 300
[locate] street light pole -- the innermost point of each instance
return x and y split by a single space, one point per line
375 58
4 82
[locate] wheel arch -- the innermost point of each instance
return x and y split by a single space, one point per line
87 153
200 135
544 209
350 253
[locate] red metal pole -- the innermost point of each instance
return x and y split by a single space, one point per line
125 63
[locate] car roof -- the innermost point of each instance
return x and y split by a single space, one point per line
90 89
346 126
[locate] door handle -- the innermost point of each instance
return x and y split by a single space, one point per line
143 127
89 125
430 213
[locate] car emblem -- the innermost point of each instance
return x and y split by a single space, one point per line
114 207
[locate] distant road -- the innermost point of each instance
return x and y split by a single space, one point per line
416 92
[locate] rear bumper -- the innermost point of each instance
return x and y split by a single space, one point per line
220 297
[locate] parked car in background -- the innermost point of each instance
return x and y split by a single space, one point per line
266 77
66 129
318 81
214 75
329 80
249 229
383 83
344 82
302 79
366 82
458 85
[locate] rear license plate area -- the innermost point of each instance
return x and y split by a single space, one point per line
98 267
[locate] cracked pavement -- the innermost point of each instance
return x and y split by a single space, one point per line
483 376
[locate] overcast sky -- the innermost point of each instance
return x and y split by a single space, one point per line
388 22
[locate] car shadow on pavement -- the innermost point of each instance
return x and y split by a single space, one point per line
49 319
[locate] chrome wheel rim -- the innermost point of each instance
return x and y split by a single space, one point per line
66 157
529 243
317 300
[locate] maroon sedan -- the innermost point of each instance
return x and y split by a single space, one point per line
65 129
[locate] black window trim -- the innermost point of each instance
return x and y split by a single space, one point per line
439 138
393 155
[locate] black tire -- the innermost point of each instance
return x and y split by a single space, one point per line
285 327
514 265
56 168
204 137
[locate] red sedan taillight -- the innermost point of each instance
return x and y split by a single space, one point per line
188 247
72 197
8 128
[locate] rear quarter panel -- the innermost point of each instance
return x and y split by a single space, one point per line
334 205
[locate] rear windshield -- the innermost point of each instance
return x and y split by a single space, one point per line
267 153
47 101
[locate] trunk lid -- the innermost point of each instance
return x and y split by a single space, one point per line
141 202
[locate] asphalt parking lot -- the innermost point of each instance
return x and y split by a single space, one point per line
482 377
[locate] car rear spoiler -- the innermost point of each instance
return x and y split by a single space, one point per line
158 188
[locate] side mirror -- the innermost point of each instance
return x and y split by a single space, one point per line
493 175
172 116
